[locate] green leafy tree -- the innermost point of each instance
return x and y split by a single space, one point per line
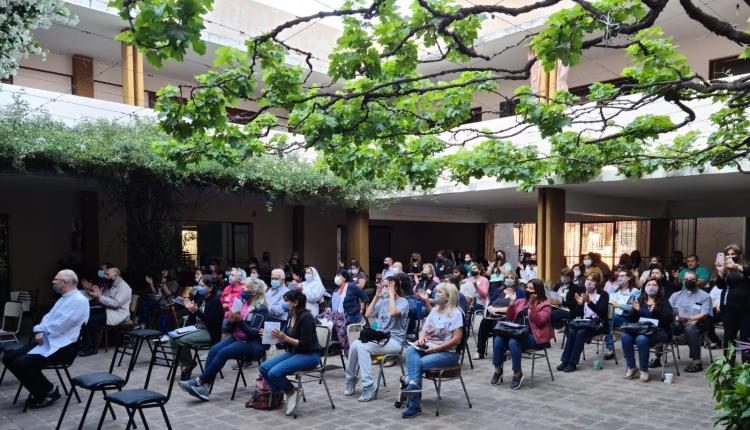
18 19
386 115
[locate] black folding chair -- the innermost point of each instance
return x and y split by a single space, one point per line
316 374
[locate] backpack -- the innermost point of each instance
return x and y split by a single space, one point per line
261 396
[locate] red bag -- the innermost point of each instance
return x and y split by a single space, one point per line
261 397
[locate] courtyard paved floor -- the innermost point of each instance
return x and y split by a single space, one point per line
586 399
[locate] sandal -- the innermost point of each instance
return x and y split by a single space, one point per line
477 356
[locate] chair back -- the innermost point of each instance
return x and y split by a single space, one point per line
465 336
13 310
134 305
324 340
611 316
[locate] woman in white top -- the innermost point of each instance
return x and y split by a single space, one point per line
620 297
312 288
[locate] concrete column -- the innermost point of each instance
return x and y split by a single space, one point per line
489 242
128 84
358 238
140 95
83 76
298 230
550 231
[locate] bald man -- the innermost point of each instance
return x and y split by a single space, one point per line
116 301
55 341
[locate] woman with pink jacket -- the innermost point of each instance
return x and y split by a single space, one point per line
536 313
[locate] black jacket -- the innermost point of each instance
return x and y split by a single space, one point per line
600 307
663 312
212 315
735 288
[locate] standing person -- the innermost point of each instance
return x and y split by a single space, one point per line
436 347
347 303
313 289
468 261
275 296
702 274
589 266
534 312
55 341
116 301
591 305
207 315
415 266
391 310
651 304
387 267
733 279
358 276
303 350
443 264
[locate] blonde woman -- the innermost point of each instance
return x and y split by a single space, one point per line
244 341
436 347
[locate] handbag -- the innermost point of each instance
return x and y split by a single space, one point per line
587 323
509 329
369 334
638 329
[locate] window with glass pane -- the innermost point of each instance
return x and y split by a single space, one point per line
599 238
524 237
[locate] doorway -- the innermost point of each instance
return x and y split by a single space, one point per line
380 247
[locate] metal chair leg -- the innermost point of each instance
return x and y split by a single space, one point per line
166 418
72 386
104 414
549 366
533 364
65 408
461 378
330 399
143 418
5 369
85 409
437 404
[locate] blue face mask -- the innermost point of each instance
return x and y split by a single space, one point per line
275 283
101 274
55 288
285 307
201 291
245 295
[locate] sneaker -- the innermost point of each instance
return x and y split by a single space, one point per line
412 411
165 339
291 403
645 377
609 355
630 373
186 372
654 363
517 381
349 388
570 368
411 388
561 366
368 393
497 379
694 368
188 384
199 392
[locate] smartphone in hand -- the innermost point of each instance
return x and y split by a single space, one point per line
719 259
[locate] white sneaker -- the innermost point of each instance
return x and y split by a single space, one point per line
164 339
291 403
349 387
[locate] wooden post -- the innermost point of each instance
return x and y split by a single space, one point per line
543 85
140 99
550 228
358 238
83 76
128 93
552 82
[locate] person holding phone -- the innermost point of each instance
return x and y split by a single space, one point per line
733 279
243 342
303 349
498 301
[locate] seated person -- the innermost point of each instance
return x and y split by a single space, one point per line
116 301
424 286
591 305
620 296
55 341
536 313
560 311
498 301
303 350
207 314
391 310
436 347
693 309
313 288
243 342
231 291
347 303
651 304
275 297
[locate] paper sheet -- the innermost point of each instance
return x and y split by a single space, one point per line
268 328
236 305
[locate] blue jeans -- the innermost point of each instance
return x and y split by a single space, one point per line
644 343
576 340
609 341
516 347
227 349
276 369
416 363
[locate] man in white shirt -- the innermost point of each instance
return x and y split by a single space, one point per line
55 341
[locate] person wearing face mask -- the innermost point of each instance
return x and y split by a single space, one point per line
733 279
436 347
231 291
498 269
578 278
254 273
481 285
358 276
652 305
103 282
313 289
347 304
693 308
207 315
526 269
243 342
116 301
54 341
560 310
693 264
415 265
654 263
387 267
534 312
468 261
444 265
591 305
620 296
498 303
589 266
275 297
396 269
391 310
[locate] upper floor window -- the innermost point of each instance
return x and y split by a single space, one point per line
725 67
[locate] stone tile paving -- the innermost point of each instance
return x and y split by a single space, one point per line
586 399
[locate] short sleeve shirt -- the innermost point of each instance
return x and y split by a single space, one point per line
396 326
438 328
688 303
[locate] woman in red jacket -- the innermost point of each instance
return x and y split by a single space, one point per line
536 312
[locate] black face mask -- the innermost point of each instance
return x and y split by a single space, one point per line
690 285
414 259
735 259
424 276
499 258
474 273
652 265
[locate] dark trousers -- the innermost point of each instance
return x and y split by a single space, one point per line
736 319
483 334
27 368
713 320
559 316
693 335
576 340
97 319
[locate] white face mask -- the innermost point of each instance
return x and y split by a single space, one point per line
308 277
576 273
651 290
337 280
587 263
